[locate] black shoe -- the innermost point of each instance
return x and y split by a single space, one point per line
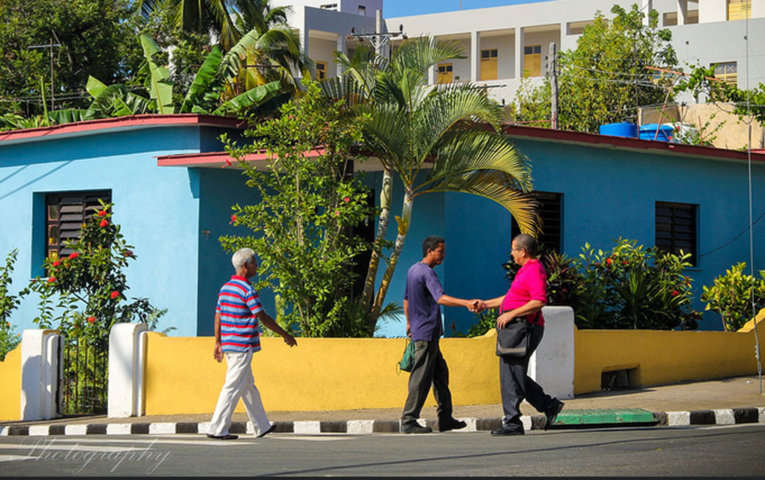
415 428
508 430
267 431
450 423
551 414
228 436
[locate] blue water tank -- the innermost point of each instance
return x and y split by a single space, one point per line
649 132
621 129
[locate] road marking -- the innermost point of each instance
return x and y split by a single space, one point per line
313 438
14 458
154 440
738 425
41 446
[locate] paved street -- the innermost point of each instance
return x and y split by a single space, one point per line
728 451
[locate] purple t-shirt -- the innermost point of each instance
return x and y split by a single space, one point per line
422 292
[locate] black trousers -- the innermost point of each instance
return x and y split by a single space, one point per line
429 369
515 384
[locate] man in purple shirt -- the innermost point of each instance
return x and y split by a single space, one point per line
423 296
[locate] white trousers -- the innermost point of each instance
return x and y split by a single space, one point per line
239 383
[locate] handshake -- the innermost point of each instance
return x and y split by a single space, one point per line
476 306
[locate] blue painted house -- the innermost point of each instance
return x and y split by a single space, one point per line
173 197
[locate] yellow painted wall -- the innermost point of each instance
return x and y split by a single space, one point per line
663 357
338 374
318 374
10 386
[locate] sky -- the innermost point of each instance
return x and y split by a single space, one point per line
403 8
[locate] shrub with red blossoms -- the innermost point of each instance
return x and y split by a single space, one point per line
103 223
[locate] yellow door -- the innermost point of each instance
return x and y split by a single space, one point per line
321 70
445 73
739 9
532 61
489 64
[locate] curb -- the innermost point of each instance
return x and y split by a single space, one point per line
730 416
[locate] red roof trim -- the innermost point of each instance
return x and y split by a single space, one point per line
145 120
218 158
627 143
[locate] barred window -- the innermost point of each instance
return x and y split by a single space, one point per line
550 213
676 228
65 214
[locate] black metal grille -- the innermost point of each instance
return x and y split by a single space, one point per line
83 383
676 228
550 214
65 213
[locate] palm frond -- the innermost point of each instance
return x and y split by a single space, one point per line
424 52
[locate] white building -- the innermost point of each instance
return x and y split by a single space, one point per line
504 44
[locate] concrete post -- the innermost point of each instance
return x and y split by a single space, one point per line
647 6
39 374
552 364
126 364
682 12
340 48
518 52
475 56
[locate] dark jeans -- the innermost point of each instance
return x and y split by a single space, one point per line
515 384
429 368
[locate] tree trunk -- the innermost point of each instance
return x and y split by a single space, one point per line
374 260
403 228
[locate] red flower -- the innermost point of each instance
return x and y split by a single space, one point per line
91 319
51 279
624 262
233 219
228 162
347 199
675 293
608 261
73 255
103 223
56 263
115 294
129 253
337 213
102 213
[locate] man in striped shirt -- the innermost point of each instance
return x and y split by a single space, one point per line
237 336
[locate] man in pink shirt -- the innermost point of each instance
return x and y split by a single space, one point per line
524 300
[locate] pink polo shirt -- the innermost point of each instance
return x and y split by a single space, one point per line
530 284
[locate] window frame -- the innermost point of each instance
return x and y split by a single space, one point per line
692 214
554 199
88 206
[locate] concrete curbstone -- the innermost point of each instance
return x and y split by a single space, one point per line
96 429
678 418
661 418
39 430
472 425
703 417
724 417
161 428
4 431
118 429
307 427
360 427
761 415
333 427
76 429
745 415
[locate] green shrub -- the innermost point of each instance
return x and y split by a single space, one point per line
629 286
9 339
731 296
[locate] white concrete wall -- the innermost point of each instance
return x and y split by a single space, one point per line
505 46
552 364
543 39
126 364
321 50
40 361
713 11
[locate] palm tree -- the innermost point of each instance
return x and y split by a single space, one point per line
197 16
443 139
268 51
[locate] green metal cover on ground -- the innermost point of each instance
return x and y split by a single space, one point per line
604 416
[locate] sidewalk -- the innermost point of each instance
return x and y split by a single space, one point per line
705 402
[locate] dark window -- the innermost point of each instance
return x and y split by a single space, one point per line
676 228
551 215
65 213
532 50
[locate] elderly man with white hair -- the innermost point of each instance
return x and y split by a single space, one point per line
237 336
